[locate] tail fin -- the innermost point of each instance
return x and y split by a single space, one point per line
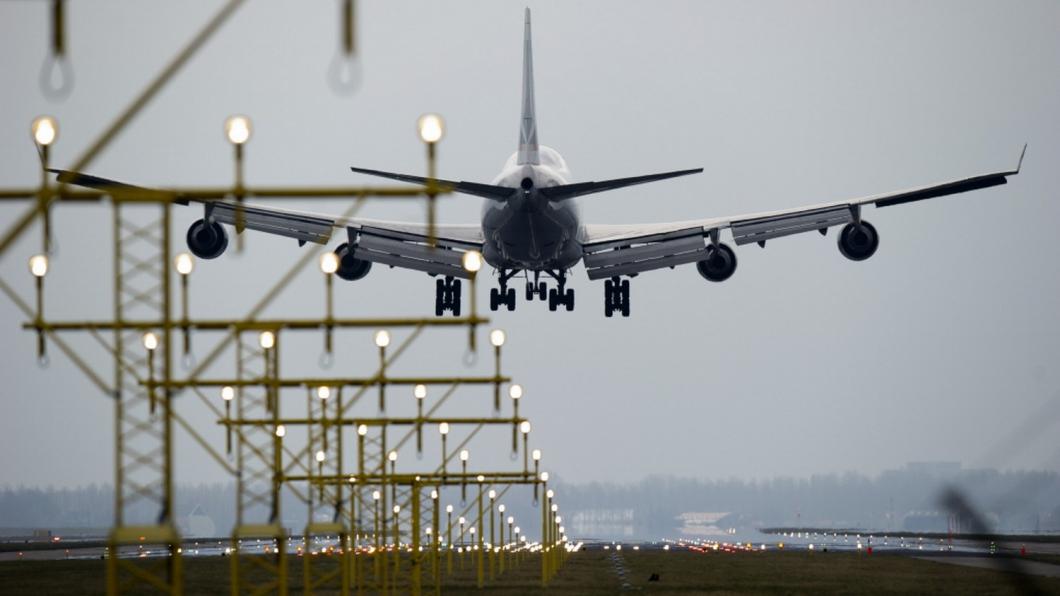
528 153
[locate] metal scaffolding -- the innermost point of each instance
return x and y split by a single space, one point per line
345 470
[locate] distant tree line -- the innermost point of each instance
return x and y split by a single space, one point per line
905 499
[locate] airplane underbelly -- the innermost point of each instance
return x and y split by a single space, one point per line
534 241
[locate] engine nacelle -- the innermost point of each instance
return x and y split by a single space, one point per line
207 241
858 241
350 268
719 265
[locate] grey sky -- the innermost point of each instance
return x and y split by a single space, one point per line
802 363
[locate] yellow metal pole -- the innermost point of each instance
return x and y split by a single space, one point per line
481 567
417 556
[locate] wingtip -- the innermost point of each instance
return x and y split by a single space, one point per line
1020 163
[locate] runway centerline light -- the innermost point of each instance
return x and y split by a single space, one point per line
267 340
472 261
38 265
237 129
431 128
497 337
45 130
184 263
228 393
329 263
382 338
419 391
150 341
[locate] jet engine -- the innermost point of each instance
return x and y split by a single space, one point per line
207 240
350 268
720 263
858 241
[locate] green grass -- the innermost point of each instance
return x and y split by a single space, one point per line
591 573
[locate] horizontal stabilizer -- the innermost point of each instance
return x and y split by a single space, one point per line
569 191
488 191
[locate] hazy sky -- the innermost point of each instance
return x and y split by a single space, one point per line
937 348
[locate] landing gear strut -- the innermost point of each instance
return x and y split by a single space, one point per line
616 296
447 296
504 295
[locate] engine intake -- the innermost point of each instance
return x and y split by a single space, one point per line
719 265
350 268
858 241
207 240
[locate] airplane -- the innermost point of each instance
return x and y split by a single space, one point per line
530 226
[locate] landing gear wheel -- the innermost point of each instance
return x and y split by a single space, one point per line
494 299
553 299
542 289
529 291
510 298
616 297
568 299
447 296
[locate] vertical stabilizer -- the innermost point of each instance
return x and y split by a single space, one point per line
528 153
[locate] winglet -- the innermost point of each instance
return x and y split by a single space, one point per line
528 148
1020 163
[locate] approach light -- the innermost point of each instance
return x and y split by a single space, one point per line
267 340
382 338
150 341
184 263
480 478
323 392
472 261
492 494
464 454
227 393
321 456
362 429
375 495
38 265
237 129
544 478
536 454
517 530
511 520
431 128
515 391
397 509
434 494
462 520
281 430
524 426
500 508
448 508
443 428
45 130
392 456
329 263
419 391
497 337
555 508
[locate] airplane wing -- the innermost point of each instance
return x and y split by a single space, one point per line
397 244
612 250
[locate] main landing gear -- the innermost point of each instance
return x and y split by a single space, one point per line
616 296
504 295
561 295
447 296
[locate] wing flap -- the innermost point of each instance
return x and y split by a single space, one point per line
379 246
650 252
765 228
304 228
